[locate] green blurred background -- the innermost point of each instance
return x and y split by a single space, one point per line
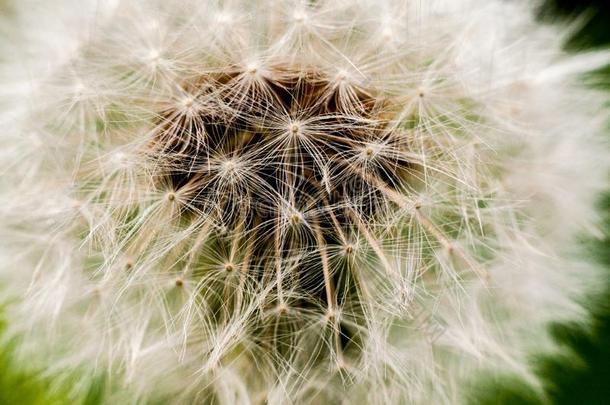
580 375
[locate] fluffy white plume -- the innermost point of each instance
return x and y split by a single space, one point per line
292 201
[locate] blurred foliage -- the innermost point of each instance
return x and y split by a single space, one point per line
18 386
581 373
584 377
595 32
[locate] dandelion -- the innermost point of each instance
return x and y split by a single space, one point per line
293 201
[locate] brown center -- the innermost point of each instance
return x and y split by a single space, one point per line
291 158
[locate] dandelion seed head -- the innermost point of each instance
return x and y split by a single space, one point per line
294 202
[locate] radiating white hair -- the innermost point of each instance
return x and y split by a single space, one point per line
272 201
